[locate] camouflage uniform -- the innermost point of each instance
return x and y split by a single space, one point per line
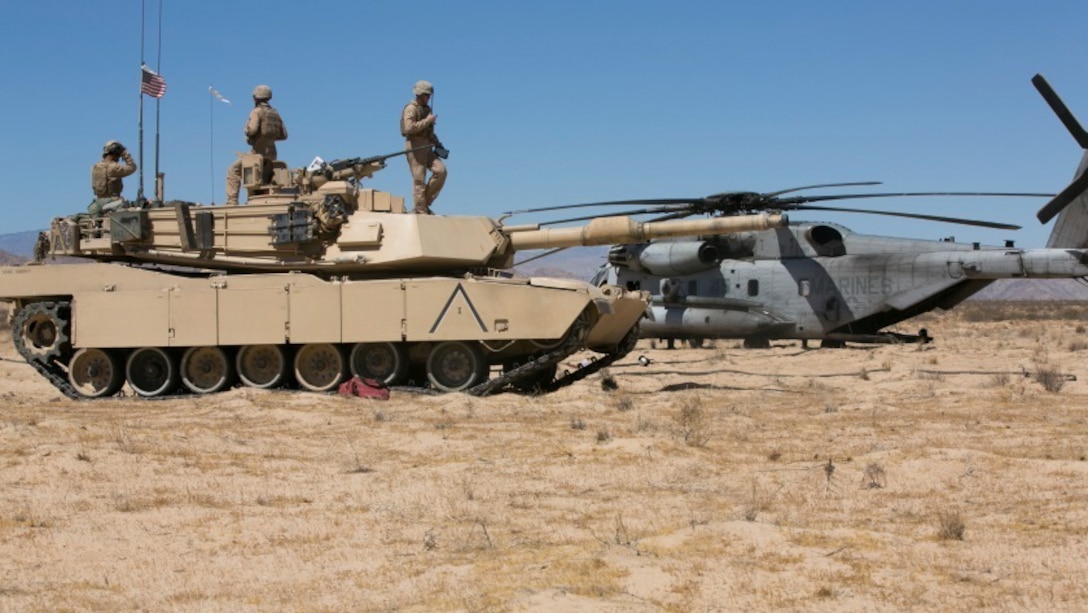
263 129
106 181
417 127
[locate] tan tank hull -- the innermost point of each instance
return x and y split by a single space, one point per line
166 332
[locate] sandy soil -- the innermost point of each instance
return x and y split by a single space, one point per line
938 477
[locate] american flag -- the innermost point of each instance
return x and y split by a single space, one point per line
151 83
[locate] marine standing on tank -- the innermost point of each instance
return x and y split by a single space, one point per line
417 127
106 175
263 129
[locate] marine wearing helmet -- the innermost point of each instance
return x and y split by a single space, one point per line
262 130
417 126
106 178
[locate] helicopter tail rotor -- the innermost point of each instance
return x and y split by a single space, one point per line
1071 229
1062 111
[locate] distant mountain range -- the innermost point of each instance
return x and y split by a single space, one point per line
582 262
20 243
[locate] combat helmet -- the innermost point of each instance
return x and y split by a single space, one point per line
423 87
111 147
262 92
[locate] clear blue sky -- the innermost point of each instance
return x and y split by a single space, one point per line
544 103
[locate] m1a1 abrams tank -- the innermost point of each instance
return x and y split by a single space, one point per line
314 280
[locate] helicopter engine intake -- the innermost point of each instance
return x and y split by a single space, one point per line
678 258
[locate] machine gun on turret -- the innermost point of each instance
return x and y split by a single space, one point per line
359 167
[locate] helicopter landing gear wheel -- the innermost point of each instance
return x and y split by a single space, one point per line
95 373
385 362
696 343
262 366
320 367
151 371
455 366
43 329
206 370
828 343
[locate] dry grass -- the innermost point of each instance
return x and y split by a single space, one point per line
772 480
950 526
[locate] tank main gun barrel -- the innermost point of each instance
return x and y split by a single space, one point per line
612 230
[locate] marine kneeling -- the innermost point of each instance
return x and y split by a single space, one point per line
106 178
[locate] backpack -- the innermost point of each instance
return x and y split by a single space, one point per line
364 388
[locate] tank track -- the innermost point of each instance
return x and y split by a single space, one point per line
47 366
529 370
594 366
541 364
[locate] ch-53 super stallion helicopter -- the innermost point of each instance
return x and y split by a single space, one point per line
821 281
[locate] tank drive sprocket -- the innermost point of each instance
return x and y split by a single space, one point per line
42 335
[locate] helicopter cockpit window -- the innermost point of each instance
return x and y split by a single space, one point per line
753 287
804 288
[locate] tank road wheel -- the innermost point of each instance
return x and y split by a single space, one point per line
320 367
95 373
455 366
262 366
386 362
43 329
206 370
152 371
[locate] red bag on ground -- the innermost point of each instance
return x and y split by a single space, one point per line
364 388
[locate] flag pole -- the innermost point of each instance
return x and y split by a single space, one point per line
140 189
211 142
159 178
213 95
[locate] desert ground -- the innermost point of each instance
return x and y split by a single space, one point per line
947 476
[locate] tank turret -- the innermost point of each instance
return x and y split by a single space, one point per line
322 222
314 280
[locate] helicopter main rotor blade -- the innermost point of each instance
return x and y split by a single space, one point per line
797 189
683 212
541 255
1062 111
955 220
607 203
804 199
1067 195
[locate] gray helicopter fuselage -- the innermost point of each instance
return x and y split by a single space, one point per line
822 281
814 280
